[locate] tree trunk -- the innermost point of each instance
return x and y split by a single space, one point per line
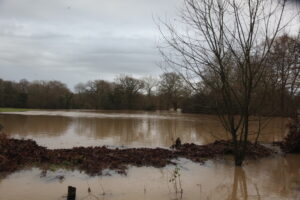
237 148
175 106
238 158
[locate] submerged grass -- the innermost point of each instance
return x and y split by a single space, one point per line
14 109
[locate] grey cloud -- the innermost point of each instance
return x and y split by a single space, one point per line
78 40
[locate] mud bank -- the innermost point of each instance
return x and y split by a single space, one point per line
291 143
16 154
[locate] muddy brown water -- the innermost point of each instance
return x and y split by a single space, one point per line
66 129
270 178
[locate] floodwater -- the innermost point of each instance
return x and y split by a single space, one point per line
66 129
273 178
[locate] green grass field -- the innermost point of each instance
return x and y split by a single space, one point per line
14 109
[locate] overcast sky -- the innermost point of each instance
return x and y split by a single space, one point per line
79 40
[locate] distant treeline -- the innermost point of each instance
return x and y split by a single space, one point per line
169 91
279 94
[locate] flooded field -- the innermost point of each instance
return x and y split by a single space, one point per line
270 178
66 129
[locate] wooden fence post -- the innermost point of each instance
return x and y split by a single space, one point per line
71 193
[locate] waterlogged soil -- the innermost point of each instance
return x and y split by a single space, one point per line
15 154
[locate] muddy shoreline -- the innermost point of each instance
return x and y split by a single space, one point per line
16 154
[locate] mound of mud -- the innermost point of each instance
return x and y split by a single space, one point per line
15 154
219 148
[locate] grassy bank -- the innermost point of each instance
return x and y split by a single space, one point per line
14 109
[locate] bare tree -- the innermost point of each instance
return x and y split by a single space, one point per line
284 63
225 46
150 87
172 88
150 83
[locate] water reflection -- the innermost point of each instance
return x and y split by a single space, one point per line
25 125
240 185
62 129
280 174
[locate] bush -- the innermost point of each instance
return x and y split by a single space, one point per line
291 143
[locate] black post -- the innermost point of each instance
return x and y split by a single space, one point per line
71 193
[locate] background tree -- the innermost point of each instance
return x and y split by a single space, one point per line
284 65
150 87
129 89
172 89
49 95
80 97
